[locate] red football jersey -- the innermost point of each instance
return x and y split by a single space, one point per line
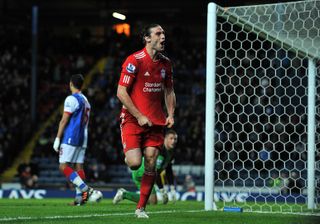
145 81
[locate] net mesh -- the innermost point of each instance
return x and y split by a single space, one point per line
296 25
261 103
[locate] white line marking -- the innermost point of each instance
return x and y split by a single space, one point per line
91 215
8 219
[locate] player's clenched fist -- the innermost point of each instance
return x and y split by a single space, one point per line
169 121
143 120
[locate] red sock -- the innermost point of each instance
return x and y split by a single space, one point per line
81 174
67 171
147 182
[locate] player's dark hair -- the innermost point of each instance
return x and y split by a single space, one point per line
146 31
170 131
77 81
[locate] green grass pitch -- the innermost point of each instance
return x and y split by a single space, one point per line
188 212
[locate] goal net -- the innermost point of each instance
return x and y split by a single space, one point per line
266 123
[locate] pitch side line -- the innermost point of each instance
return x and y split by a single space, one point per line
91 215
22 218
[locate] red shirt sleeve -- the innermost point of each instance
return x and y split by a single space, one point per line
128 72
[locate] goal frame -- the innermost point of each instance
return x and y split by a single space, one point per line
210 104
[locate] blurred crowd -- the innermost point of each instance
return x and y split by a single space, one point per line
55 64
61 56
28 175
14 96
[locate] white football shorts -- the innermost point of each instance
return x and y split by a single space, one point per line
71 154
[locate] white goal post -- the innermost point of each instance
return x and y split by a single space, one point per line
261 89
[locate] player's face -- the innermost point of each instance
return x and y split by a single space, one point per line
157 38
171 141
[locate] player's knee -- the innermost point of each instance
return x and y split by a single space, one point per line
134 167
150 159
150 165
133 164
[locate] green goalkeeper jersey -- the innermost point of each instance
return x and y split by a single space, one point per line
163 160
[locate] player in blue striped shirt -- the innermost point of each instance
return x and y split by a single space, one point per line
73 136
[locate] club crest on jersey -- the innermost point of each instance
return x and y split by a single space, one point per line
163 73
131 68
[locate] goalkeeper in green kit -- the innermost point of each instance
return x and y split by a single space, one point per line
164 163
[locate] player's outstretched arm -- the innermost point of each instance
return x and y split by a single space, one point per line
125 99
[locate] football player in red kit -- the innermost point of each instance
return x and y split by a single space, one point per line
145 82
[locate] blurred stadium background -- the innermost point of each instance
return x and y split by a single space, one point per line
83 37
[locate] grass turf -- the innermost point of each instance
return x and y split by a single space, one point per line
188 212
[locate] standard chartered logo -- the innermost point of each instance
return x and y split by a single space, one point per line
152 87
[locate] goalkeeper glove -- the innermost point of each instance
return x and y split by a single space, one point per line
56 144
